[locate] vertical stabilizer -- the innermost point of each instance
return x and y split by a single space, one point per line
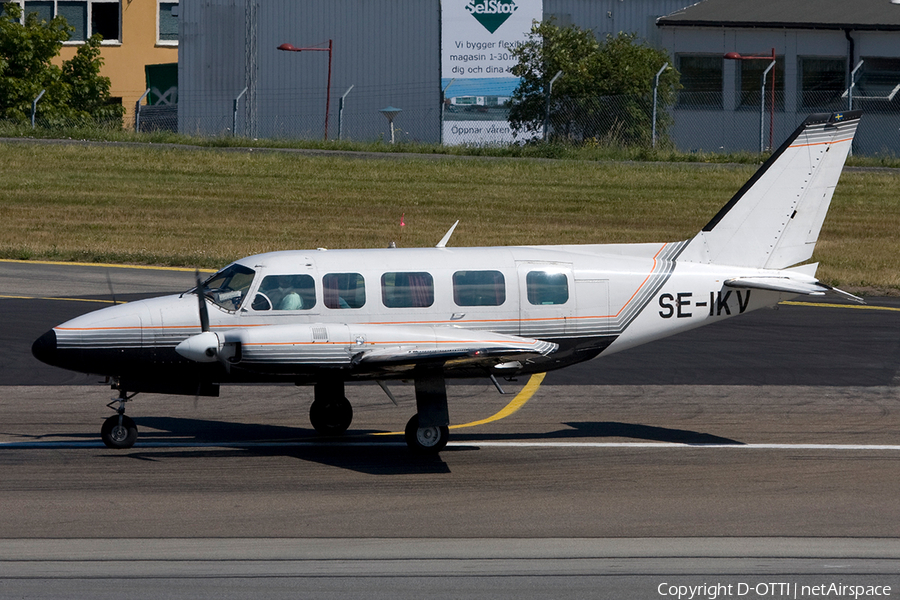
774 220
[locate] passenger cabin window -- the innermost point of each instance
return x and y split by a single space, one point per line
479 288
344 290
547 288
285 292
228 287
407 290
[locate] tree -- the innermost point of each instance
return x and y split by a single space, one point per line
604 92
89 91
74 93
27 50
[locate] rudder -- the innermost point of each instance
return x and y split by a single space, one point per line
774 220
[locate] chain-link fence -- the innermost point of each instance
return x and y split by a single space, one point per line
697 122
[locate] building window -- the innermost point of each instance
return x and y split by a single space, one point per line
479 288
701 78
407 290
547 288
877 85
750 82
168 22
86 16
344 290
822 81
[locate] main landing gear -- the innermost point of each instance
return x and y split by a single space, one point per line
118 431
427 432
330 413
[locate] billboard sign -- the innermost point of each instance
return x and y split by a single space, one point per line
477 36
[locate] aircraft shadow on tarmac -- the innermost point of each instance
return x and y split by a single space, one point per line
389 458
608 429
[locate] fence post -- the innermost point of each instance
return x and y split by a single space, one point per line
853 83
137 112
34 107
234 116
762 107
341 113
443 100
547 112
655 87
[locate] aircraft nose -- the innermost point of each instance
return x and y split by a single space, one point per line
44 348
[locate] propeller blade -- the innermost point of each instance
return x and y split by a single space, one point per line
111 291
201 298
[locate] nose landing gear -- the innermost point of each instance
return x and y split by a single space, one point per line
119 432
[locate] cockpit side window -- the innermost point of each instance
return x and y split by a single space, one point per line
228 287
285 292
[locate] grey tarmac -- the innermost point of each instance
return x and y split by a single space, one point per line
723 462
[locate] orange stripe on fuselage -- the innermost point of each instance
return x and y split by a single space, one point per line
438 322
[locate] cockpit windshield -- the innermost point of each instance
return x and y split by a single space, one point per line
228 287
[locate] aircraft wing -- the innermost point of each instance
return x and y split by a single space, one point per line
362 348
790 285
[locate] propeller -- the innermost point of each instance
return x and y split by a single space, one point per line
206 346
203 347
111 291
201 299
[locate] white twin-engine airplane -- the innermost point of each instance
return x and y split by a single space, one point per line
323 318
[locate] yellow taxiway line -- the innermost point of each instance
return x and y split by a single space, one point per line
534 382
65 299
826 305
104 265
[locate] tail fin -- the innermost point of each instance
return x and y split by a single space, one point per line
774 221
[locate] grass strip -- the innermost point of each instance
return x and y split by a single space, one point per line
176 207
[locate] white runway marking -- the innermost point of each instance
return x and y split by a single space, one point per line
74 445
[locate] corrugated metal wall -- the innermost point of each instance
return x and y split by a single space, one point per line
612 16
389 50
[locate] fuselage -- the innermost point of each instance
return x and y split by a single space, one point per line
588 299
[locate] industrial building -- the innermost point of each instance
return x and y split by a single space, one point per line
234 80
135 33
819 47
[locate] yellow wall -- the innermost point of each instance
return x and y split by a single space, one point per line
124 63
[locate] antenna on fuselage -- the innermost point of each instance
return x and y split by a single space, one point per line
446 238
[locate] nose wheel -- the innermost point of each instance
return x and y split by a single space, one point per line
119 432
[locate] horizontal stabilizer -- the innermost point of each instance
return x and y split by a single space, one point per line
789 285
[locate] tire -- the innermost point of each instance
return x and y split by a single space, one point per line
116 436
426 440
332 416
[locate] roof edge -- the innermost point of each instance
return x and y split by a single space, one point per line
664 22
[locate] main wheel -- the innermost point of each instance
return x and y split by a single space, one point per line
332 416
426 440
119 436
